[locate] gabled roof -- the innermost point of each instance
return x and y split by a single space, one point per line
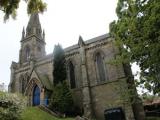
45 81
43 78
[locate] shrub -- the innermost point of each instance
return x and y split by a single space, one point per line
11 106
62 99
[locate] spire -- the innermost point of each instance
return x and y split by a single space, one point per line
34 20
23 33
34 26
80 41
32 43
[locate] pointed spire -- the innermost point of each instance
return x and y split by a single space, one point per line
34 20
34 26
23 33
80 41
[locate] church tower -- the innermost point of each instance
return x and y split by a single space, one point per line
33 41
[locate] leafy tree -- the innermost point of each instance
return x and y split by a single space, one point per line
11 106
59 66
137 34
9 7
61 99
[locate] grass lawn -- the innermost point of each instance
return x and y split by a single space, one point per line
34 113
153 118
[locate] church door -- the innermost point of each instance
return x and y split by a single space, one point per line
36 96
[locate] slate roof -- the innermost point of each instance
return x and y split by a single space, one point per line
76 46
44 79
88 42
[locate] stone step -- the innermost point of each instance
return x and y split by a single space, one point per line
46 109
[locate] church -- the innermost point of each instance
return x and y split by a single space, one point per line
91 78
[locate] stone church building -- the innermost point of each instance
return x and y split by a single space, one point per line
92 80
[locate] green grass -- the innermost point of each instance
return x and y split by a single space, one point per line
34 113
152 118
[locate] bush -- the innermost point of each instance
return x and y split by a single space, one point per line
11 106
62 99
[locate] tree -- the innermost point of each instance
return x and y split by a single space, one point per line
59 66
137 34
9 7
61 99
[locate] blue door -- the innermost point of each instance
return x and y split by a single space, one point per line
36 96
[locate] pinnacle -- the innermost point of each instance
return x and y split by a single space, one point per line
81 42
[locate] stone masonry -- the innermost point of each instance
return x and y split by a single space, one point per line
91 78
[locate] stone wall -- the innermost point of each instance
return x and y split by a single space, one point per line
90 95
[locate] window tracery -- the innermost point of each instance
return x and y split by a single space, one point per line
72 75
100 67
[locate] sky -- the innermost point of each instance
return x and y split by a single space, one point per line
63 22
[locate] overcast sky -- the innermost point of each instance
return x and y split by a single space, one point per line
63 22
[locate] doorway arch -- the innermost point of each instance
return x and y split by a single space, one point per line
36 96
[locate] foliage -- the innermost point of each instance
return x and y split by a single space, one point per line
125 93
59 66
11 106
137 34
149 97
62 99
34 113
9 7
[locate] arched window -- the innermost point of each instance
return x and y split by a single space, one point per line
100 67
27 52
22 84
26 77
72 75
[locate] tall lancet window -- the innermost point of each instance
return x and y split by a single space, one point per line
72 75
26 78
28 54
100 67
21 84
